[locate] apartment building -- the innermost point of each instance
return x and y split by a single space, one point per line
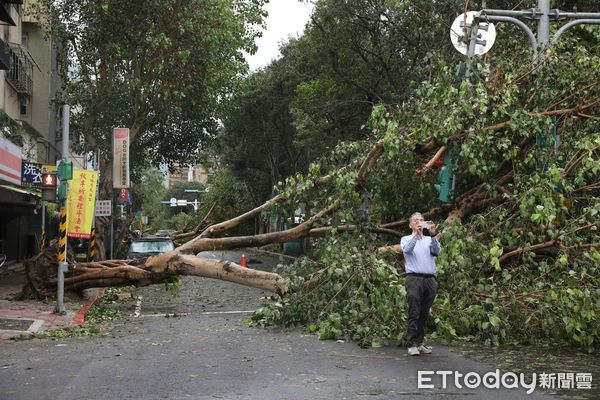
189 173
29 123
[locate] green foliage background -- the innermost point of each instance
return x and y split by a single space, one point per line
547 212
225 194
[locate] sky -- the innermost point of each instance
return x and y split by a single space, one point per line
286 17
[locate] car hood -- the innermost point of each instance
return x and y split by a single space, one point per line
143 255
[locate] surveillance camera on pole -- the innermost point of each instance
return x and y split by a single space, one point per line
460 34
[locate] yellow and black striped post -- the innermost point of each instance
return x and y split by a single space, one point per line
43 234
62 241
92 245
43 239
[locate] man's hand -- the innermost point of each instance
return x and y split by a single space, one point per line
419 231
432 229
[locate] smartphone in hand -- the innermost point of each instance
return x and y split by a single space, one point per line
426 224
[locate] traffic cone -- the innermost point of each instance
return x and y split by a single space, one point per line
243 262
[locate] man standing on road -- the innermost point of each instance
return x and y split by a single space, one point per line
419 257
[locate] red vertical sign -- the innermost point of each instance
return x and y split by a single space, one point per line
120 158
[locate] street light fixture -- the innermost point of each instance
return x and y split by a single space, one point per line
196 190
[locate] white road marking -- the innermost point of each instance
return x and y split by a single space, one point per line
138 311
202 313
228 312
138 307
37 324
165 315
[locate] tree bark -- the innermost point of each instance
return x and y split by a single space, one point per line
170 265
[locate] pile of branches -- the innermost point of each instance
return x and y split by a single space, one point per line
520 249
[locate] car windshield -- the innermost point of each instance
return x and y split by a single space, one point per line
151 246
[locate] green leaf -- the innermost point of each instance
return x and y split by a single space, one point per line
494 320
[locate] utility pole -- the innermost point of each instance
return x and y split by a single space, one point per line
65 173
471 36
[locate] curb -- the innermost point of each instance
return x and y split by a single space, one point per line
80 315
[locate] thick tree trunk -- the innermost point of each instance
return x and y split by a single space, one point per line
162 268
183 260
200 244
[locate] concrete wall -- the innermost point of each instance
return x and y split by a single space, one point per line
18 223
40 111
9 101
41 119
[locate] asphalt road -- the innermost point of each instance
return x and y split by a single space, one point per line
209 352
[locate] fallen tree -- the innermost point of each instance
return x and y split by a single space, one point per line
519 239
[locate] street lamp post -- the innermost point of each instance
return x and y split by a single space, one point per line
182 203
544 15
65 173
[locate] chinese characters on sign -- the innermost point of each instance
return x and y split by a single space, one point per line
120 158
80 203
124 197
103 208
31 173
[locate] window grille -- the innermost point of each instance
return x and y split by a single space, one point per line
20 74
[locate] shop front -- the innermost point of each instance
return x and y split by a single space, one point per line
20 208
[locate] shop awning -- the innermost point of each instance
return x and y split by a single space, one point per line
31 192
5 15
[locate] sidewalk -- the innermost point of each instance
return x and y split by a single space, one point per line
30 316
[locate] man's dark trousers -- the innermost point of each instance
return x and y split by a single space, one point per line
420 291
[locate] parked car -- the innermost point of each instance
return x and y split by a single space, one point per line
149 246
165 232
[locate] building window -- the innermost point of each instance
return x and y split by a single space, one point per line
21 69
24 105
25 39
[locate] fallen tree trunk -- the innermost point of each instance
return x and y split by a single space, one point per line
162 268
197 230
173 265
183 260
41 273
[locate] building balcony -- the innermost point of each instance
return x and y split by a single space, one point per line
5 13
20 74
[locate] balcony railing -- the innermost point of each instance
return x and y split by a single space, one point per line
20 74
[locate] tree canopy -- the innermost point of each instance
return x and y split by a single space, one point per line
520 238
519 234
161 68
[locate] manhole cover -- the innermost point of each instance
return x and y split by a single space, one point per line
9 324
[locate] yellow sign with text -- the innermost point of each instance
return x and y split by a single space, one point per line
80 203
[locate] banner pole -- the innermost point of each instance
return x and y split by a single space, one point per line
62 252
